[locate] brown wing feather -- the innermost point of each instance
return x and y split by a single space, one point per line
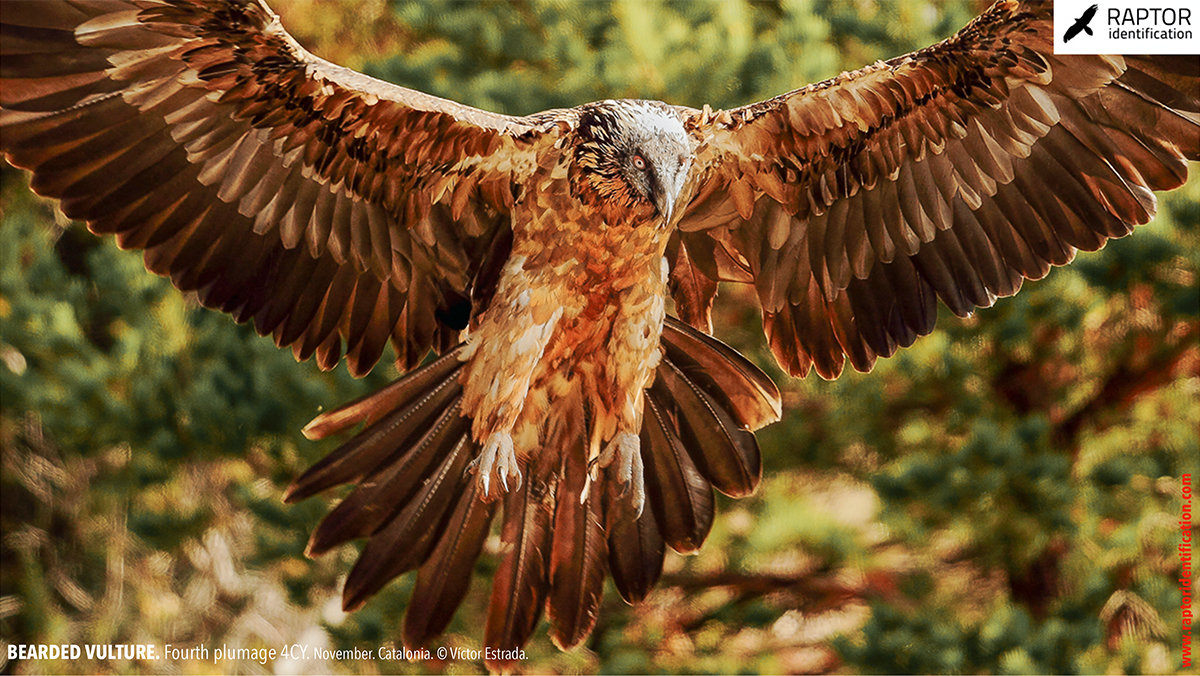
954 172
280 187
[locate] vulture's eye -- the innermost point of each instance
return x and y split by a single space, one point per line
639 162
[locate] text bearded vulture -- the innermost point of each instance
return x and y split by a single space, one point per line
535 255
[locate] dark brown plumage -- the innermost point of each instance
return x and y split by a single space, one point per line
340 213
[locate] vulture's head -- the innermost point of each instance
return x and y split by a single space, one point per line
631 155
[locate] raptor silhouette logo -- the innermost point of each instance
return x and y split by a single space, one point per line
1081 24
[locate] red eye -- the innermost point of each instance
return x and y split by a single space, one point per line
638 162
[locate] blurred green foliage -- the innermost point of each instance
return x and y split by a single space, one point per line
1003 497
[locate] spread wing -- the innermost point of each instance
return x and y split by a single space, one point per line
335 210
952 173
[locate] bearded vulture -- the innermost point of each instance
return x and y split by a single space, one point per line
535 255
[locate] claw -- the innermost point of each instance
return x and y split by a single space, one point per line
625 452
497 458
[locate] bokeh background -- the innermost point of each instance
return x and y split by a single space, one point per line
1003 497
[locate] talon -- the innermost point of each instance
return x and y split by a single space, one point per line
625 451
638 483
497 458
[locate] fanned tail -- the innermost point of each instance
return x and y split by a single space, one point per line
418 505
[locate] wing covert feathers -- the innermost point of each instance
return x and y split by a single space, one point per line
561 533
315 201
953 173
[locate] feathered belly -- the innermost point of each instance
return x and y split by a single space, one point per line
553 344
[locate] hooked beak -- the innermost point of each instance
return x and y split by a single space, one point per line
669 186
666 206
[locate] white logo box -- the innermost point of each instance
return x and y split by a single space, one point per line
1129 27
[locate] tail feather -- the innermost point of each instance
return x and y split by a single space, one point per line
520 585
443 579
725 451
681 498
406 541
741 387
416 385
402 410
376 446
385 491
1165 84
578 555
635 546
